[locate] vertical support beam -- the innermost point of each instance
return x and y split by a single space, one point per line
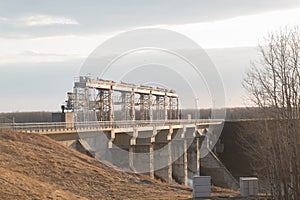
112 138
151 158
185 162
185 155
170 107
180 164
151 151
166 106
163 155
169 136
132 149
111 105
123 106
169 139
157 102
134 136
142 107
150 106
131 152
198 156
170 179
133 105
101 104
177 108
154 133
86 105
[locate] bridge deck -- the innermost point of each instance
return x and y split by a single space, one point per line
118 126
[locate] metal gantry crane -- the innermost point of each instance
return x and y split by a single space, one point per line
102 100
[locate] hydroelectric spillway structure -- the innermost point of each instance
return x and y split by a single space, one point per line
143 131
136 128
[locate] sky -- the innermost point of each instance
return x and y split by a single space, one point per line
43 44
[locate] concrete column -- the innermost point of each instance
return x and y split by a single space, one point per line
170 178
112 138
185 162
131 164
143 159
169 138
198 156
193 162
163 156
151 158
179 151
134 136
154 133
141 152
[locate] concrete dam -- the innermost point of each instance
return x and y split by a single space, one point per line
137 129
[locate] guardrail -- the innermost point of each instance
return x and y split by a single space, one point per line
100 125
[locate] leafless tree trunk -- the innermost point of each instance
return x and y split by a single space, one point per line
273 84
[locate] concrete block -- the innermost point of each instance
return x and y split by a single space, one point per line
249 186
201 194
202 180
205 188
201 186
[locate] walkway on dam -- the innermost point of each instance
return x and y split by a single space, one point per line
65 127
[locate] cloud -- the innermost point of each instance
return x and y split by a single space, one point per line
36 25
46 20
3 19
32 56
37 20
58 48
238 31
40 54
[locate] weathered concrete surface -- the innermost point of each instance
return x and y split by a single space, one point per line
212 166
171 154
180 166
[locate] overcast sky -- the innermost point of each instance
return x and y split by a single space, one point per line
44 43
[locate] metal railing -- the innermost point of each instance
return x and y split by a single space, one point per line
98 125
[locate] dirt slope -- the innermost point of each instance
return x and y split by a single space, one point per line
35 167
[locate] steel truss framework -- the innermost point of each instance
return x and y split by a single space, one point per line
101 100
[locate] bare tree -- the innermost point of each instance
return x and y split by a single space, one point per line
273 84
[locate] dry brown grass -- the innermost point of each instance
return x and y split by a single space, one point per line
35 167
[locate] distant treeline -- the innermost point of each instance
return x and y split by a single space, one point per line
26 117
231 114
